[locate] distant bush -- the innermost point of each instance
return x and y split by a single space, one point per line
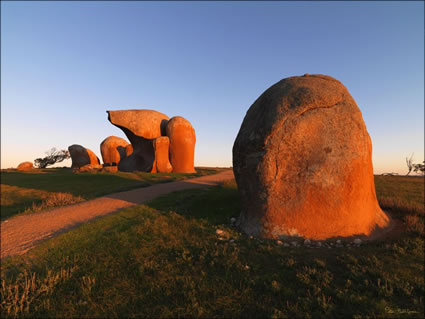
419 168
53 156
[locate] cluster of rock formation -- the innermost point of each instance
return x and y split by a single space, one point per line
158 144
303 163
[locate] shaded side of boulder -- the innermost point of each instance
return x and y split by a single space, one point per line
302 163
162 162
25 166
141 128
81 156
182 145
113 150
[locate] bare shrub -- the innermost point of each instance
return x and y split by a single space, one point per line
53 156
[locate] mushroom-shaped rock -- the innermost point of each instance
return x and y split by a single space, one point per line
141 127
113 150
303 163
182 145
162 163
25 166
81 156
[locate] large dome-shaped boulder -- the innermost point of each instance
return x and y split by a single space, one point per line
113 150
303 163
81 156
141 127
182 145
25 166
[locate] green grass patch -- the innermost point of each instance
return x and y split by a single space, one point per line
165 259
38 189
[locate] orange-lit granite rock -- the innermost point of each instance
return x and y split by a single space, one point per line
128 150
182 145
113 150
162 162
141 127
81 156
303 163
89 168
25 166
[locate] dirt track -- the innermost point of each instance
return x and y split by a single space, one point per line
22 233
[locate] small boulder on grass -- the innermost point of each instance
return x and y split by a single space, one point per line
25 166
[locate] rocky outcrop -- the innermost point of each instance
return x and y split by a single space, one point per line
25 166
113 150
302 163
182 145
141 128
81 156
158 144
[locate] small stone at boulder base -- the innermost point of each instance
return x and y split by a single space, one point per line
219 232
303 163
232 220
307 242
285 245
113 150
81 156
357 241
338 241
182 145
25 166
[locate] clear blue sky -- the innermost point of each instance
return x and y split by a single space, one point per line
63 64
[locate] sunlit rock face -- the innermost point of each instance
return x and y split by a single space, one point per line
182 145
25 166
303 163
113 150
141 127
162 163
81 156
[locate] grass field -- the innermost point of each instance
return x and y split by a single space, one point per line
165 259
44 188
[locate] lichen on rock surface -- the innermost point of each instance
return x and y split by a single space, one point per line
303 163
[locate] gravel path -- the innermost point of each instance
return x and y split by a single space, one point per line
22 233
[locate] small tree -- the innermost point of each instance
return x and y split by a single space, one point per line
53 156
409 162
419 168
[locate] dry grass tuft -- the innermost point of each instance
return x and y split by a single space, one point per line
54 200
397 204
18 297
